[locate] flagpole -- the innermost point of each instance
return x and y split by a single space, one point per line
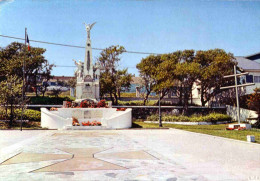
23 91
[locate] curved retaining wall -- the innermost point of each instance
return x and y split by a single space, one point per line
109 117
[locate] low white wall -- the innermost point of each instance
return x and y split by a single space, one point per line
51 120
109 117
120 120
244 113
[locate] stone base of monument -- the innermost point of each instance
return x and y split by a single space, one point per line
109 118
85 128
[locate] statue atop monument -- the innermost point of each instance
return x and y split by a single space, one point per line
80 66
89 27
88 75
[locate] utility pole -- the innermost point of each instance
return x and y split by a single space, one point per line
160 115
237 98
236 88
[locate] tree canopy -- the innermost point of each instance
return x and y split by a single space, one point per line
36 66
112 79
178 71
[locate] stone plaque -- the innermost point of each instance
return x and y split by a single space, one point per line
87 114
79 114
97 114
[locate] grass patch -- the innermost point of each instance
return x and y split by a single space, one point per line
215 130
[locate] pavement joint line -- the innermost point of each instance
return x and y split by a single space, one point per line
33 171
11 157
21 144
102 151
112 163
151 155
218 137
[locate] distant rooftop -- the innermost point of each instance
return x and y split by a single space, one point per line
247 64
255 56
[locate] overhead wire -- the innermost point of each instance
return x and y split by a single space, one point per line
75 46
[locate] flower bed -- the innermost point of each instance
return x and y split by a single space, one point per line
86 104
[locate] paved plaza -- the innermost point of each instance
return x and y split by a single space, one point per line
172 155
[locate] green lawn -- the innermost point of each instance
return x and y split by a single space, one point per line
216 130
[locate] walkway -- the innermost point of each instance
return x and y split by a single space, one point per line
125 155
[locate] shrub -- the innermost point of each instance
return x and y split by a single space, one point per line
213 117
49 100
137 103
29 114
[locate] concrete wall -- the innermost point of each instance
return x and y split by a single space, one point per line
244 113
109 117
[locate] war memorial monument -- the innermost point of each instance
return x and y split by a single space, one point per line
87 73
87 90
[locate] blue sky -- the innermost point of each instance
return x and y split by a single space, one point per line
158 26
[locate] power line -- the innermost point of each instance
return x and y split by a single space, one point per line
74 46
71 66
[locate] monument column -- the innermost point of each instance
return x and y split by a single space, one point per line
88 65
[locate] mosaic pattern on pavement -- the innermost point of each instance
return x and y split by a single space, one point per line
93 155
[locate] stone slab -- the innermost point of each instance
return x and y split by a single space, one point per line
141 155
80 164
35 157
86 134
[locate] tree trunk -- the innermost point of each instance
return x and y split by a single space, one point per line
202 98
11 115
112 98
185 105
180 97
116 98
146 97
118 92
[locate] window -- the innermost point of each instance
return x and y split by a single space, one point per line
249 78
257 79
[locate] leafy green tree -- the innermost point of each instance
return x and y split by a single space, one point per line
113 80
186 72
72 82
12 57
214 64
254 103
10 95
148 68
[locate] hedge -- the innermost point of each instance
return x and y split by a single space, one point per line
50 100
29 114
212 117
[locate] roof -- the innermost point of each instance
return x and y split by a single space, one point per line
254 56
247 64
62 78
136 80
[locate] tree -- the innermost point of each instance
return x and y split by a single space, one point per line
10 95
72 82
12 58
148 72
254 103
112 79
214 64
186 72
45 76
